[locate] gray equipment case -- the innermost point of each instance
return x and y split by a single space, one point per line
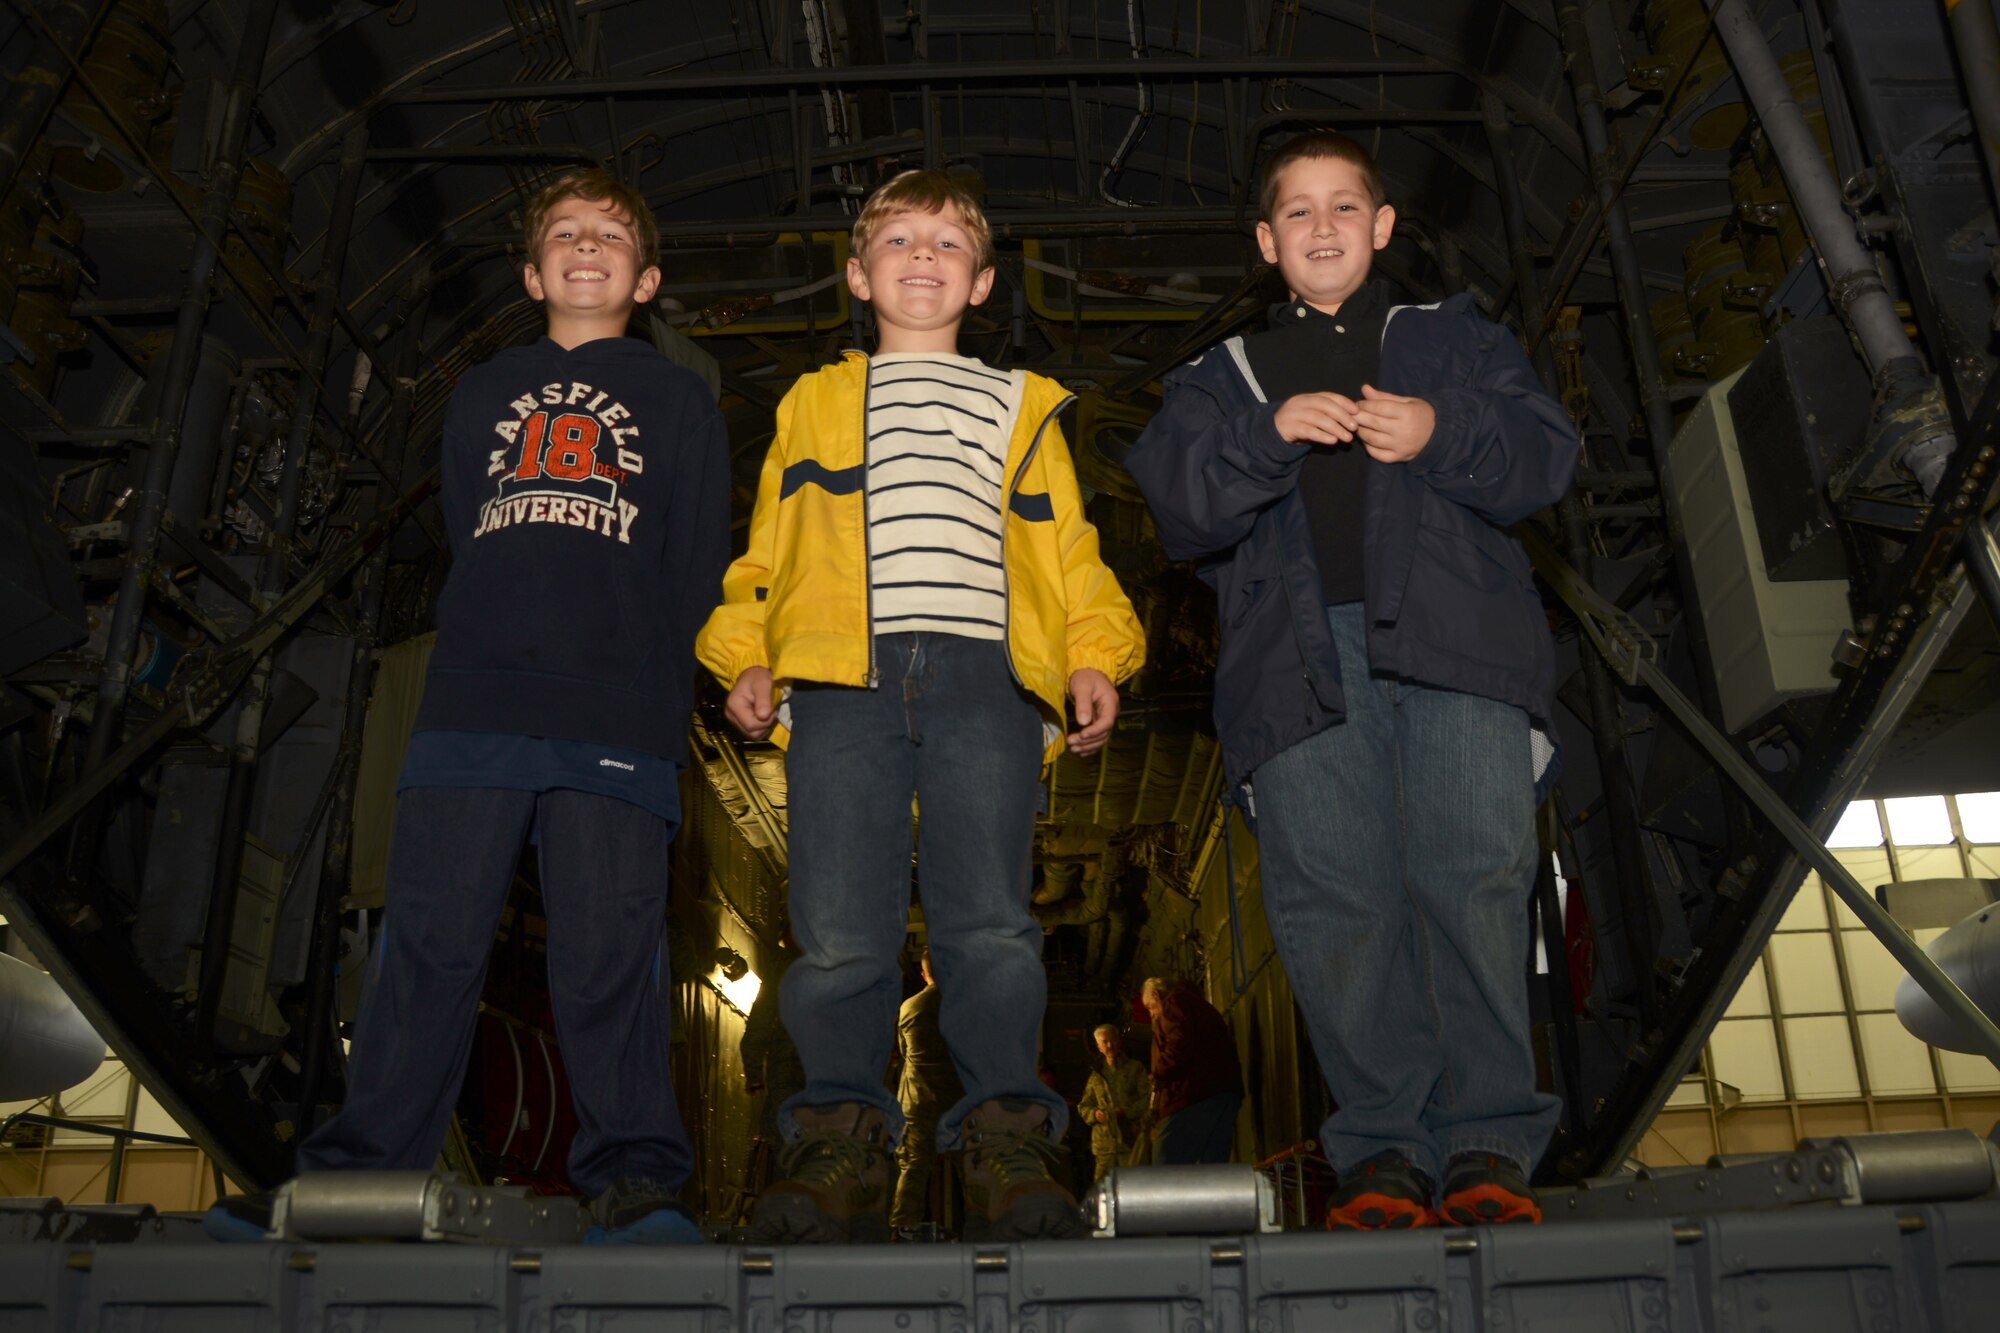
1818 1269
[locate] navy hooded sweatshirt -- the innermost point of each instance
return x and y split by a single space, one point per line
586 500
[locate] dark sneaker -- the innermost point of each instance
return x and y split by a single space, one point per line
1481 1189
638 1210
1384 1193
1011 1191
238 1218
834 1181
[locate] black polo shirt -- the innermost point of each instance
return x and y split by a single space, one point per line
1308 351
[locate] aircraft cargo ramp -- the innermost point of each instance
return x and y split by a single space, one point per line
1870 1270
1782 1242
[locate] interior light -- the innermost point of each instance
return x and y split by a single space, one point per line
740 991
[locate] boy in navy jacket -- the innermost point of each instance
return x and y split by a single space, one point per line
1384 683
586 501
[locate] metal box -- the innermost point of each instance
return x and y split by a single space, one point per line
1800 408
1770 641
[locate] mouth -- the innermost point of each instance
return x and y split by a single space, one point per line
587 275
1325 252
921 282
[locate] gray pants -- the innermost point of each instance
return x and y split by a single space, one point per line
914 1156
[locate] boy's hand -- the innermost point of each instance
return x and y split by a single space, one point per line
749 708
1393 429
1316 418
1096 709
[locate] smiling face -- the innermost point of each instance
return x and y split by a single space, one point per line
920 272
1324 230
588 264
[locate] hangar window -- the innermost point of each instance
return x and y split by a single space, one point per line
1810 1044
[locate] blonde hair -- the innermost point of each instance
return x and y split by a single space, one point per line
1317 144
922 190
595 185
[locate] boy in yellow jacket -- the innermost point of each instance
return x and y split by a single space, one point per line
920 593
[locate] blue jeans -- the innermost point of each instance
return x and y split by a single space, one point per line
948 725
1203 1131
1398 855
604 887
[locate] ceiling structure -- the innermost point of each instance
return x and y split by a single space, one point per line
252 243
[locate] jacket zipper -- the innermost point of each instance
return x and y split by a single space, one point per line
1006 506
867 546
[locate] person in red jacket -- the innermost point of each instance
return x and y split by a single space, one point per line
1197 1088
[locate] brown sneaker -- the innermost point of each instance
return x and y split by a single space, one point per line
1009 1191
834 1181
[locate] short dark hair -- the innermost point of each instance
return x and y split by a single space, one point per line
596 185
1315 144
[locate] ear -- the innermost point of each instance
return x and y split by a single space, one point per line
857 277
982 286
649 282
1385 222
531 278
1267 243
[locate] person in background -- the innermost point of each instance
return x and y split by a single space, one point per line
1114 1102
925 1086
1197 1087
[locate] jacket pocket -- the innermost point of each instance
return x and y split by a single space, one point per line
1469 592
1245 599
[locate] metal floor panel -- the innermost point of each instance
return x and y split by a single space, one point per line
1929 1269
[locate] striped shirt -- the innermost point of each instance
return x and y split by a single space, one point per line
937 450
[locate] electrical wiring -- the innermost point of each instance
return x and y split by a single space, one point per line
1134 26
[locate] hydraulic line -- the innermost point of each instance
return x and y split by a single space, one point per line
1911 426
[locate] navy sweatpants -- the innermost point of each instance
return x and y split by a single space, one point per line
604 887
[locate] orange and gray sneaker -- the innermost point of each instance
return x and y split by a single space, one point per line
1483 1189
1384 1193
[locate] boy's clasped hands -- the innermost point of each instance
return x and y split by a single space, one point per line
1393 428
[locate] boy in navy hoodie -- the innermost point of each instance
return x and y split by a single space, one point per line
1385 677
586 498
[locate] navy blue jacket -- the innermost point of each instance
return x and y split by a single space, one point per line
1448 593
586 498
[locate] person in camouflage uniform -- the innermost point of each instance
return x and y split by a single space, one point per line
1114 1104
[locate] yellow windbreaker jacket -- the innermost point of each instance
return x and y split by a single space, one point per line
797 599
